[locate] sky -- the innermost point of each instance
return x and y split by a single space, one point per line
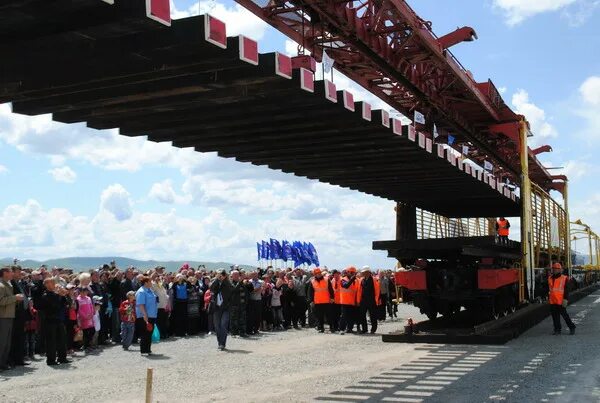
68 190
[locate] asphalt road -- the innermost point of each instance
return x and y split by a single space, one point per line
299 366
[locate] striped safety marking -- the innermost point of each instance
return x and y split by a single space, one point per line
348 100
385 118
366 111
397 126
330 91
248 50
283 65
307 80
421 140
451 157
215 31
412 133
440 151
158 10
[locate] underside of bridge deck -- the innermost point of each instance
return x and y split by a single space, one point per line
189 85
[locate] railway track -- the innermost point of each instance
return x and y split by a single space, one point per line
462 328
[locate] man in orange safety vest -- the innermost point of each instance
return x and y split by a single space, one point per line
502 229
320 295
558 296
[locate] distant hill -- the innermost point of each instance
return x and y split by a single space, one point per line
86 263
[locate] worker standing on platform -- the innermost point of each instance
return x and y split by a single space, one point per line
558 297
348 300
502 229
320 295
368 298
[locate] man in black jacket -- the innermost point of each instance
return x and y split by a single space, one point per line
53 305
222 292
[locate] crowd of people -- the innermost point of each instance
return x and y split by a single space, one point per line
55 312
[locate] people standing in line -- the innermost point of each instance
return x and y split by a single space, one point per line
221 292
8 302
558 297
348 300
54 306
146 312
368 293
320 295
239 304
127 312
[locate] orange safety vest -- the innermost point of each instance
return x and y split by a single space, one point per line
557 289
337 295
321 291
348 295
502 227
377 287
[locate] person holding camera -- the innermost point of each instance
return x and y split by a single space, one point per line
8 303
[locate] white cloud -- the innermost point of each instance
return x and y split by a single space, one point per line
116 200
238 20
164 193
590 91
3 169
541 129
516 11
63 174
581 11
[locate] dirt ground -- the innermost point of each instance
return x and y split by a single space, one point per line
303 365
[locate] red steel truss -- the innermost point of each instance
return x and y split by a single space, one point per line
389 50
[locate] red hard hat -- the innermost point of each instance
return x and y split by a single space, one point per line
317 271
556 265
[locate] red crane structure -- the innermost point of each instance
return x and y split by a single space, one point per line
384 46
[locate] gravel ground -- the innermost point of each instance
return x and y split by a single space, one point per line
297 366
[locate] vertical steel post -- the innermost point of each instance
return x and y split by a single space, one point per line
527 276
565 195
589 231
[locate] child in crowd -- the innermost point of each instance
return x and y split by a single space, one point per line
96 319
85 317
127 313
31 326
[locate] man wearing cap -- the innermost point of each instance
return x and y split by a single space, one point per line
558 298
368 297
320 295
